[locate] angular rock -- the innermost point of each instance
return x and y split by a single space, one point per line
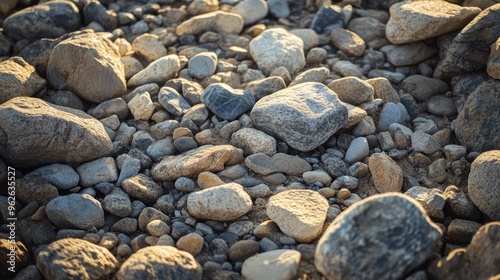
348 41
432 200
318 74
386 173
222 203
276 264
352 90
251 10
327 19
304 116
18 78
277 47
158 71
253 141
354 245
408 54
62 176
298 213
142 188
173 101
261 88
97 171
219 21
226 102
483 184
383 89
36 133
74 258
79 211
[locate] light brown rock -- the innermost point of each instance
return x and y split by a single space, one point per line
484 183
191 243
220 22
352 90
18 78
348 42
386 173
273 265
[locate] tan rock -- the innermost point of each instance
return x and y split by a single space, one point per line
386 173
18 78
220 22
348 42
191 243
493 66
273 265
207 179
484 183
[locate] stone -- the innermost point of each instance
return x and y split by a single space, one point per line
442 106
386 173
193 162
493 65
158 71
79 211
261 88
242 250
279 264
327 19
423 142
14 257
202 65
298 213
131 66
141 106
483 184
97 171
65 98
253 141
89 66
348 42
352 90
392 113
251 10
432 200
278 163
36 133
277 47
117 203
62 176
143 188
408 54
7 6
173 101
18 78
304 116
226 102
308 36
334 165
71 257
219 22
316 55
310 177
95 13
358 150
454 152
422 88
371 30
318 74
383 89
158 228
419 20
477 123
469 50
462 230
222 203
115 106
46 20
198 7
149 47
156 262
129 167
346 68
400 241
148 214
34 188
191 243
279 8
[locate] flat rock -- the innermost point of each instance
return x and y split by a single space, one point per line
298 213
352 90
62 176
173 101
226 102
419 20
354 245
408 54
97 171
251 10
193 162
279 264
278 163
72 258
483 184
304 116
36 133
386 173
143 188
220 22
348 41
222 203
79 211
18 78
277 47
253 141
158 71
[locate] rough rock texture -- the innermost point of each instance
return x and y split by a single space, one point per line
35 133
493 66
158 71
298 213
226 102
381 237
387 175
80 211
304 116
280 162
477 124
20 260
72 258
18 78
62 176
220 22
253 141
277 264
484 186
89 66
352 90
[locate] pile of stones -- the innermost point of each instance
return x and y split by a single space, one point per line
250 139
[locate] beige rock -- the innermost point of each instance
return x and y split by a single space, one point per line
493 66
191 243
251 10
308 36
158 71
149 47
273 265
348 42
352 90
253 141
18 78
141 106
142 187
384 90
220 22
207 179
484 183
386 173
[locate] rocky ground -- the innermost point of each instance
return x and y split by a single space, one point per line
250 139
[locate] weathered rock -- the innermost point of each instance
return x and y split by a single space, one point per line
484 186
277 47
18 78
222 203
383 89
354 245
278 163
408 54
142 188
37 133
62 176
97 171
220 22
89 66
432 200
386 173
13 255
202 65
462 230
193 162
477 123
352 90
422 88
419 20
226 102
117 203
280 264
348 41
74 258
327 19
94 11
298 213
149 47
158 71
304 116
34 188
80 211
261 88
251 10
253 141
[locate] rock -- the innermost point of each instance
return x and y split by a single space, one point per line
80 211
277 47
66 99
346 68
304 116
155 262
316 55
442 106
279 8
327 19
198 7
432 200
242 250
117 203
477 123
222 203
470 49
401 239
278 163
423 142
202 65
253 141
334 165
226 102
94 12
422 88
7 6
371 30
115 106
416 21
70 257
62 176
149 47
392 113
149 214
318 74
219 22
358 150
280 264
158 71
141 106
383 89
493 65
18 79
483 184
298 213
191 243
251 10
347 41
261 88
97 171
13 255
462 230
310 177
408 54
130 167
36 133
308 36
173 101
34 188
142 188
46 20
89 66
352 90
386 173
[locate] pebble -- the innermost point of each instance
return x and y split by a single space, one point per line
117 203
149 214
310 177
441 106
392 113
97 171
191 243
370 29
241 228
278 163
408 54
358 150
242 250
62 176
149 47
253 141
316 55
462 230
143 188
202 65
454 152
263 87
423 142
347 68
387 175
432 200
279 8
219 22
285 264
327 19
318 74
158 71
75 211
334 165
226 102
483 184
251 10
348 42
308 36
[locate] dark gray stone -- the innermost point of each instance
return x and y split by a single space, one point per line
392 113
75 211
226 102
279 8
115 106
65 98
326 19
261 88
381 237
94 11
334 165
173 101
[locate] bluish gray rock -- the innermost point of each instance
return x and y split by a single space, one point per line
130 167
173 101
62 176
304 116
226 102
94 11
358 150
79 211
392 113
327 19
279 8
97 171
202 65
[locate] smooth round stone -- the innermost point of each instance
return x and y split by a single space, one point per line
357 151
285 264
310 177
202 65
185 143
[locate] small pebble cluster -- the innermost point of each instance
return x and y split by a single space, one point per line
250 139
